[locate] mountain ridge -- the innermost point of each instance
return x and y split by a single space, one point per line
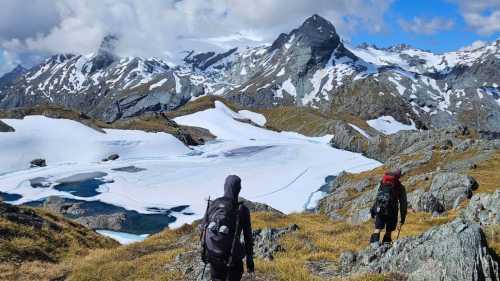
309 66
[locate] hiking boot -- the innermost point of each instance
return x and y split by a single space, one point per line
375 240
387 239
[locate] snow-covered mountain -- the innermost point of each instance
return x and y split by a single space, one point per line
309 66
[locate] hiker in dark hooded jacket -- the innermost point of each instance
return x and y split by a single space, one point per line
391 196
227 210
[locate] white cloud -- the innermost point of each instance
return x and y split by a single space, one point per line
427 26
160 27
475 45
481 15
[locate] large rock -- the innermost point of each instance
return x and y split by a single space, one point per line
38 163
452 188
451 252
484 208
266 241
422 201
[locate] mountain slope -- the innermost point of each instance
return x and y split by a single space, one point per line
34 241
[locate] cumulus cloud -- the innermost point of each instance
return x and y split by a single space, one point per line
427 26
168 27
481 15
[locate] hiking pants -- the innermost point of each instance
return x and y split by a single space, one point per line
219 272
389 222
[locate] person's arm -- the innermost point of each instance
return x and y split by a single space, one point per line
247 235
403 204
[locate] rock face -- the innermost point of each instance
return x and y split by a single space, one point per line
382 147
422 201
452 188
451 252
484 208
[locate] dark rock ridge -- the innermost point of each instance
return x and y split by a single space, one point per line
99 215
451 252
4 128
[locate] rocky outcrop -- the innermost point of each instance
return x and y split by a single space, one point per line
452 188
266 241
4 128
451 252
38 163
383 147
99 215
484 208
111 157
259 207
340 196
422 201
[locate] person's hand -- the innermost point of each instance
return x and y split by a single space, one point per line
250 266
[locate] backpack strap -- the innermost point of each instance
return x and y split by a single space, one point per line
236 233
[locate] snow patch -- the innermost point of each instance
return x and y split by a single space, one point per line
388 125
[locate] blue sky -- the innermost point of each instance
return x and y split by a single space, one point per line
164 28
459 35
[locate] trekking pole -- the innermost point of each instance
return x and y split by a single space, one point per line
202 238
399 231
203 272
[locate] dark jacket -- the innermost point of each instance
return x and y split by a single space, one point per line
400 201
232 188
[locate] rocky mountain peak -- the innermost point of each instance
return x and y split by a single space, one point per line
319 23
316 31
106 54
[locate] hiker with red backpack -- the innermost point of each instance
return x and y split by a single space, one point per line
391 196
222 225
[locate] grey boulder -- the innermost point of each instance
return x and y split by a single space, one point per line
422 201
452 188
484 208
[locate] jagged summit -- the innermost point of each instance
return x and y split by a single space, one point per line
318 24
106 53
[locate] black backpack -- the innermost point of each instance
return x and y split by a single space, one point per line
386 198
218 236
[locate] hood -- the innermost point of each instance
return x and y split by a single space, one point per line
232 187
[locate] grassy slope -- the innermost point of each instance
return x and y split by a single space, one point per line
318 239
34 244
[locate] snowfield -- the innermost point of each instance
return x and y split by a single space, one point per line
388 125
283 169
